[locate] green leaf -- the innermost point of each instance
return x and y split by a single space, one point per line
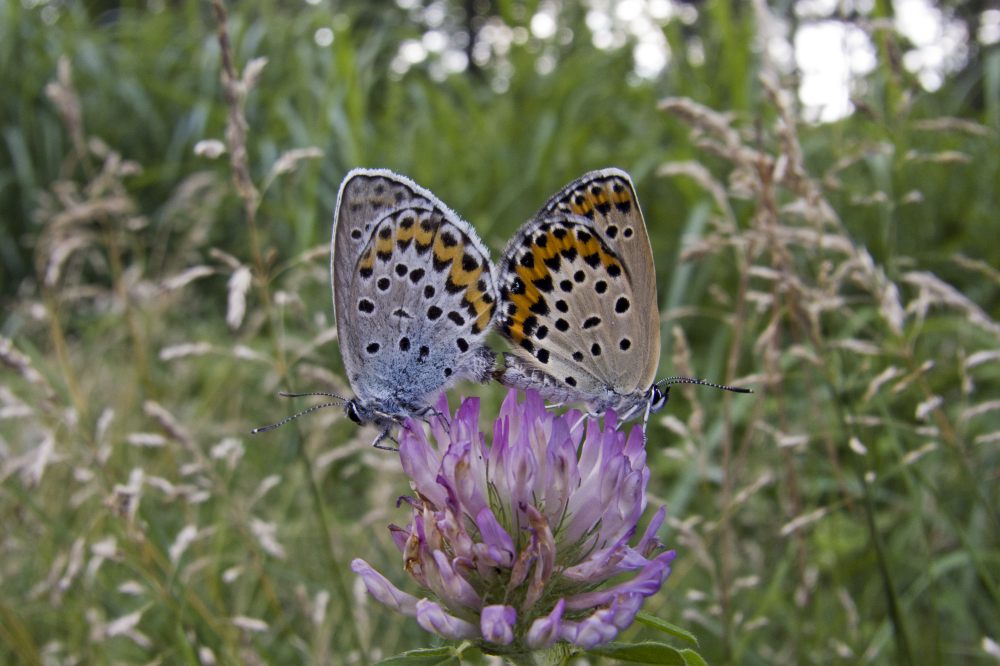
692 658
643 653
423 657
666 627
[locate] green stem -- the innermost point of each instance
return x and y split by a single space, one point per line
336 571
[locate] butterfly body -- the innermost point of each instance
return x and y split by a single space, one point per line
521 375
414 295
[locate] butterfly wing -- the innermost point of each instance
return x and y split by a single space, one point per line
607 197
414 292
566 304
578 295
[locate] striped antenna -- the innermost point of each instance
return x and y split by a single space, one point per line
282 422
690 380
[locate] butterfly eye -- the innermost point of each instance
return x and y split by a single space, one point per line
658 398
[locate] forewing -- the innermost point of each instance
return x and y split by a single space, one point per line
567 307
419 303
607 198
366 196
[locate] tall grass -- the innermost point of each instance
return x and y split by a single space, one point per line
158 299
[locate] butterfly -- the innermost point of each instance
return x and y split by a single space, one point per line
414 294
578 301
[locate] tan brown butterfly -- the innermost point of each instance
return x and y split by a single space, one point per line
578 301
413 293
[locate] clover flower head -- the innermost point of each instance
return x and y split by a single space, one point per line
524 542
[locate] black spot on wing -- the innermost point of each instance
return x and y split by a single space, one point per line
544 284
529 324
540 307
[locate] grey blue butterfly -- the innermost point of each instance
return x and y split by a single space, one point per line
578 301
414 294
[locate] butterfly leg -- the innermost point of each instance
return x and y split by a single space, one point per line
377 443
645 418
555 405
584 417
426 413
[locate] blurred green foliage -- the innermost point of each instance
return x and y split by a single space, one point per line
898 555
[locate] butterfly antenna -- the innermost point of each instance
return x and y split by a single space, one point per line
303 395
283 421
690 380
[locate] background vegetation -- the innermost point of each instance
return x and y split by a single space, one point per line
155 300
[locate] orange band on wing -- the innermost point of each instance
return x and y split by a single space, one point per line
560 244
